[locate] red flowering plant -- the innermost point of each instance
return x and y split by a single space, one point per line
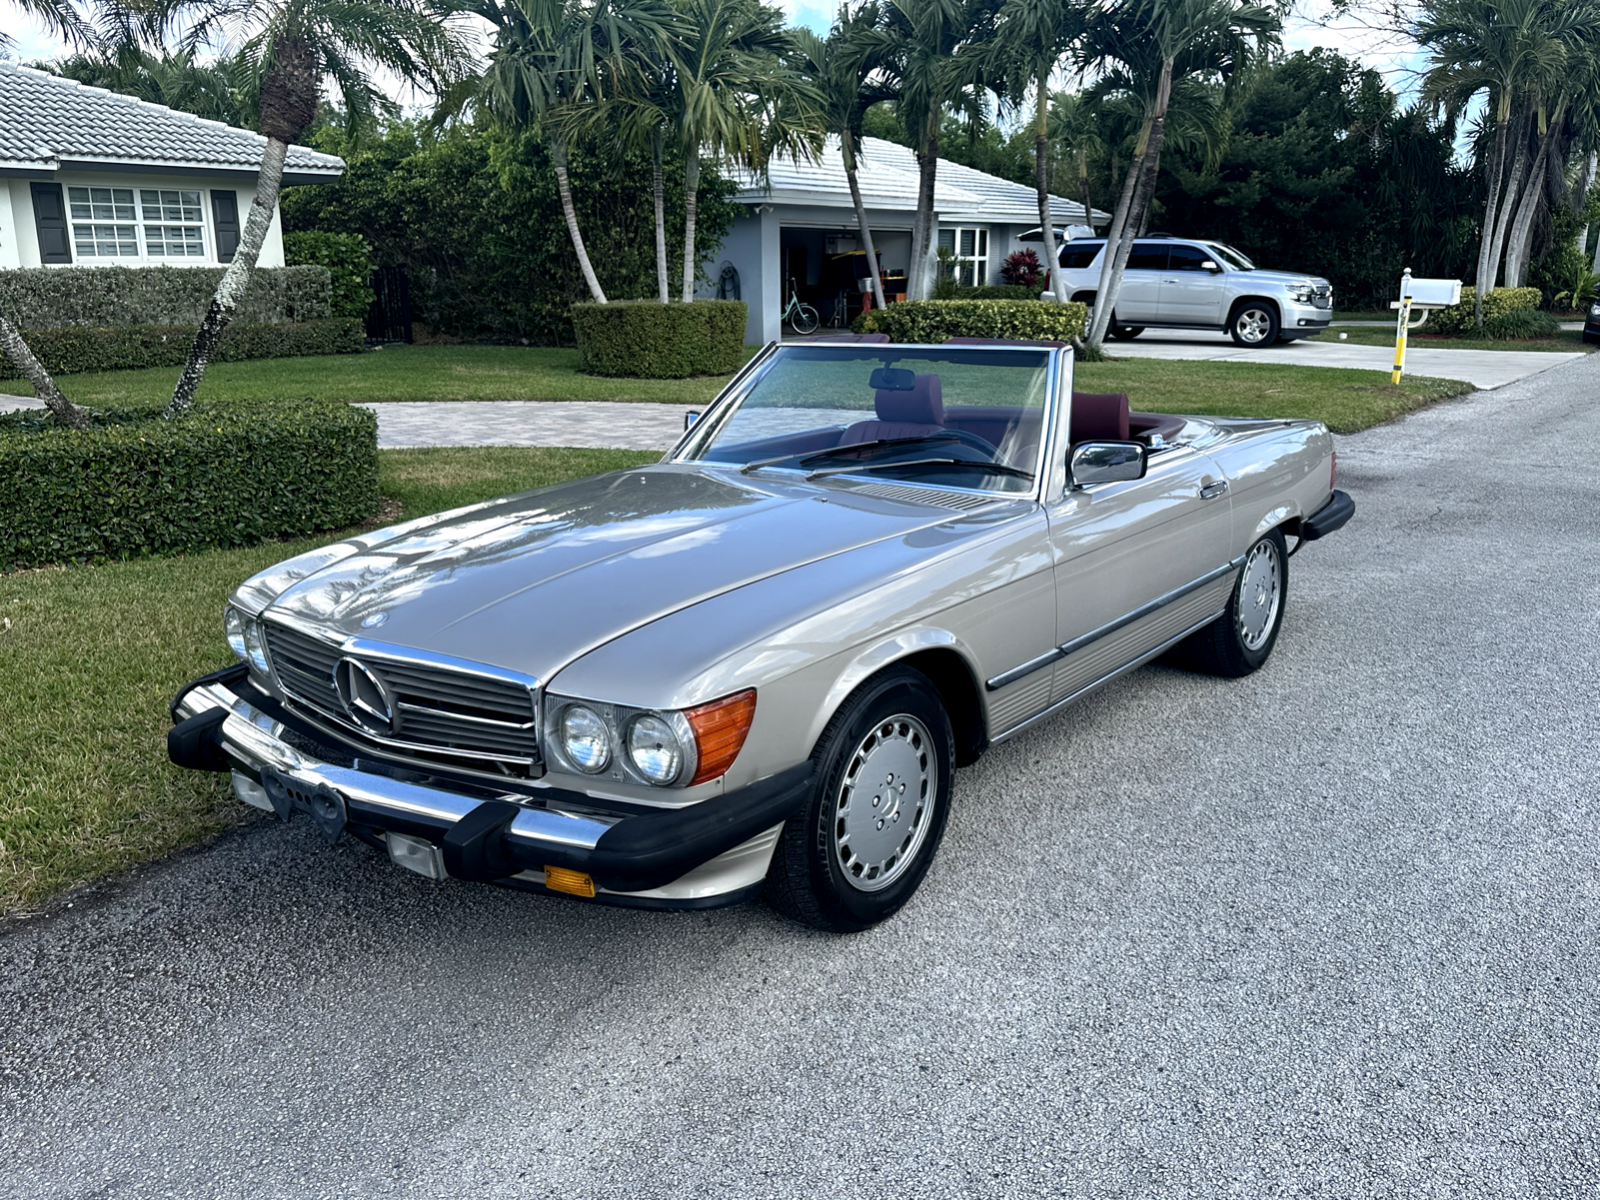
1022 268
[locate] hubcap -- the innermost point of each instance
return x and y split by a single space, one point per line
1259 595
885 802
1254 324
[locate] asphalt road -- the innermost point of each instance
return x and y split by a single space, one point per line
1329 931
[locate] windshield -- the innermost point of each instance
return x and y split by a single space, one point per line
951 416
1231 257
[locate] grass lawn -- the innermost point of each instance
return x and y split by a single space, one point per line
393 373
1567 341
1346 400
90 656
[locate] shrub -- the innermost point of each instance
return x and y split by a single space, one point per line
220 475
998 291
645 339
75 349
51 297
1458 317
932 321
349 261
1522 323
1022 268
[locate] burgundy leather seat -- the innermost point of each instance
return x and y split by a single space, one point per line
902 414
1099 417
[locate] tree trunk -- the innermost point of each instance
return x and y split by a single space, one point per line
1109 264
66 413
1519 166
659 195
1527 210
235 279
1083 177
558 159
691 185
1486 237
1041 182
922 226
866 230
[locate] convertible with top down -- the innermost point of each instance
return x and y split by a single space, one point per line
756 664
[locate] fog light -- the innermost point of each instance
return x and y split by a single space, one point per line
416 854
251 792
563 879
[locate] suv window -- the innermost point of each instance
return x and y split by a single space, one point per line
1187 258
1148 256
1075 256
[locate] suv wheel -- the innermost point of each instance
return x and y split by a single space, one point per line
1124 333
1254 324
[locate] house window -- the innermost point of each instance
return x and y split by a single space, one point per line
971 248
172 226
103 222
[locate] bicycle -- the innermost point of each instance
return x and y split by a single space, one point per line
802 318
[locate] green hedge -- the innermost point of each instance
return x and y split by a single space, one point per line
220 475
1498 302
72 350
932 321
645 339
1521 323
52 297
1000 291
349 261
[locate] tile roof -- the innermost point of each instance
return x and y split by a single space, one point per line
888 177
46 121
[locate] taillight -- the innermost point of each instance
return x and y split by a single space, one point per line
719 732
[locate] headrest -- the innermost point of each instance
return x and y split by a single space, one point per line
922 405
1099 416
997 341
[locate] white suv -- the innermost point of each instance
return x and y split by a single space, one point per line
1176 283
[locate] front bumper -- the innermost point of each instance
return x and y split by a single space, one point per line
715 850
1304 318
1591 331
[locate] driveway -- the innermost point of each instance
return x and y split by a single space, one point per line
1330 931
1481 368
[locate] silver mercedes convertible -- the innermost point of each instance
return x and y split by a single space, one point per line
756 664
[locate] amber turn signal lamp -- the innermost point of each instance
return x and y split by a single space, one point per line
719 732
563 879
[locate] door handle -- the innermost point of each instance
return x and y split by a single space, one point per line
1212 490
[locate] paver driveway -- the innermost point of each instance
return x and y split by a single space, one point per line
1330 931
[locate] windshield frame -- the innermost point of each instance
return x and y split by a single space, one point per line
728 401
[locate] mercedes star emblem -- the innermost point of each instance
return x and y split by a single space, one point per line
364 696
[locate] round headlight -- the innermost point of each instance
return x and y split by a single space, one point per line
654 749
255 646
585 739
233 622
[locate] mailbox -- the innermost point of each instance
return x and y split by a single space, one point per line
1433 293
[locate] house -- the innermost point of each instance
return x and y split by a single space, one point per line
93 178
799 225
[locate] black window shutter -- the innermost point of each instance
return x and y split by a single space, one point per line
50 218
225 210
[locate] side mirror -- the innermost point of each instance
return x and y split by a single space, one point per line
1106 462
1211 266
689 418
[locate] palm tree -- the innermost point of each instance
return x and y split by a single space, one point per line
1038 34
736 98
1143 48
1502 50
291 46
219 90
1077 125
60 17
844 69
642 118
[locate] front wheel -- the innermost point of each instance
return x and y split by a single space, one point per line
805 319
858 850
1254 325
1125 333
1239 641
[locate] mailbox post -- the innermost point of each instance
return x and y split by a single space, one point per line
1426 294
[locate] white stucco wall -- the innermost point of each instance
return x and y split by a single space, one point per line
19 241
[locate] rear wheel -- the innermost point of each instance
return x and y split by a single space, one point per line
1254 323
805 319
1240 640
1125 333
866 837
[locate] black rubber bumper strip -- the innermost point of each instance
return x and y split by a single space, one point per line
197 742
1331 516
475 846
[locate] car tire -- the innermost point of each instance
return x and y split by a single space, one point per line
1241 639
838 866
1254 324
1124 333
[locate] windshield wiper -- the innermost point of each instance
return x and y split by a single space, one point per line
987 468
816 454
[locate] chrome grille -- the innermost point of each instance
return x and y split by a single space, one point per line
1323 296
442 714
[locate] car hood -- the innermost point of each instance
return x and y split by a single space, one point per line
533 581
1260 278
